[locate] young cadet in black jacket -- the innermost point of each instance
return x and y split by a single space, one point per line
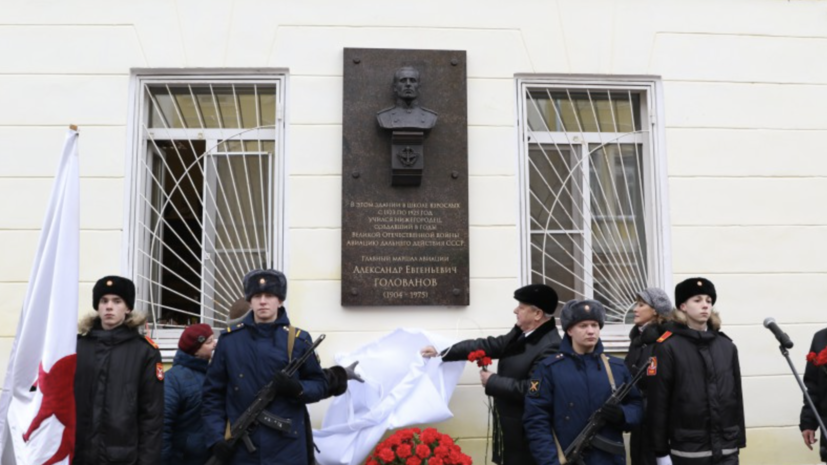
119 389
652 309
532 339
815 378
695 399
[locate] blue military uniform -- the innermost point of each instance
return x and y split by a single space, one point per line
564 390
246 358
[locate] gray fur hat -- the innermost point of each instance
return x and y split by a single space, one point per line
575 311
261 281
656 298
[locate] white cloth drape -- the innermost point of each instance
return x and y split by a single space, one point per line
400 389
43 352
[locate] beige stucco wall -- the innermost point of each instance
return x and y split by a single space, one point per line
744 89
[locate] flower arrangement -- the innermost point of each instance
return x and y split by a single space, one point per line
413 446
483 361
818 359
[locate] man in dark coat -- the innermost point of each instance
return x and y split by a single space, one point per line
532 339
567 388
119 389
695 400
184 442
815 378
248 357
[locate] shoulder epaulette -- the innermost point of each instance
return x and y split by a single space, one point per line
554 358
664 336
151 342
232 329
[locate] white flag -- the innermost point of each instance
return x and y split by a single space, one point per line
400 389
37 406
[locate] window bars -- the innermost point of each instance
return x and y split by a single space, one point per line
587 167
207 205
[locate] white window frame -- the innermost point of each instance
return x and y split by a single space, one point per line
615 336
138 107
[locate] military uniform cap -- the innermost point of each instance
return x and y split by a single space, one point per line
539 295
117 285
691 287
265 281
575 311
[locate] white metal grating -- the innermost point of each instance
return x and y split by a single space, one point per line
207 206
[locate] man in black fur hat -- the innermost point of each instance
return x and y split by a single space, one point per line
532 339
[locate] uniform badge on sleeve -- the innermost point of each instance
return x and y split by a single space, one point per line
159 371
534 387
653 367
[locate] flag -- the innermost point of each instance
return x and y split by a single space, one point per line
37 405
400 389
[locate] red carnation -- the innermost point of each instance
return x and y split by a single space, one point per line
811 356
386 455
413 461
436 461
821 359
429 436
486 361
404 451
423 451
371 462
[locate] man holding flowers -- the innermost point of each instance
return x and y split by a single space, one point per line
532 339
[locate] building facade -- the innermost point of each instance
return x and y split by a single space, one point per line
611 145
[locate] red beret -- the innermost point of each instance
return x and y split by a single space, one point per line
193 337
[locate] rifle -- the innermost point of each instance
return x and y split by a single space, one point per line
256 413
588 436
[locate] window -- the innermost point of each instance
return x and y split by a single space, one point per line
206 192
593 182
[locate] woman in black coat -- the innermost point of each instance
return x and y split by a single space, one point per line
119 389
696 404
652 310
815 378
532 339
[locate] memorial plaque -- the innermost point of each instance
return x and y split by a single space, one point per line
404 178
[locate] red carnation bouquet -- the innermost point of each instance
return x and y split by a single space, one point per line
482 360
413 446
818 359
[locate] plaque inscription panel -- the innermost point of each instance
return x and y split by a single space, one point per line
404 245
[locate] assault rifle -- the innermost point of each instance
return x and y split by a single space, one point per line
588 436
256 413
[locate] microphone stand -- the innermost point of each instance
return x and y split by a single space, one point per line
786 354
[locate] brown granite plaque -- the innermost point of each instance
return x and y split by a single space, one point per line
404 178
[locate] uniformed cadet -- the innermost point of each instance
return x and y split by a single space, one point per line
567 388
119 389
533 338
695 401
247 357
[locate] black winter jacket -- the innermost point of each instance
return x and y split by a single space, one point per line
119 396
640 350
695 401
517 357
184 442
815 378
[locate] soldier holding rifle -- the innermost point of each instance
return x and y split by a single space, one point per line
248 357
573 391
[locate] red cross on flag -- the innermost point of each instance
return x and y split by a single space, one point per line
37 406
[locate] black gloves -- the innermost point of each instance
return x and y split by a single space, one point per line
222 451
613 415
351 372
287 386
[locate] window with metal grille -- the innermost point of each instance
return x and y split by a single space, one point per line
207 193
593 182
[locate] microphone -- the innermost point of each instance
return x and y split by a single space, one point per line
782 337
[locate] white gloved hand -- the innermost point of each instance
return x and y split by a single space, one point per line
665 460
